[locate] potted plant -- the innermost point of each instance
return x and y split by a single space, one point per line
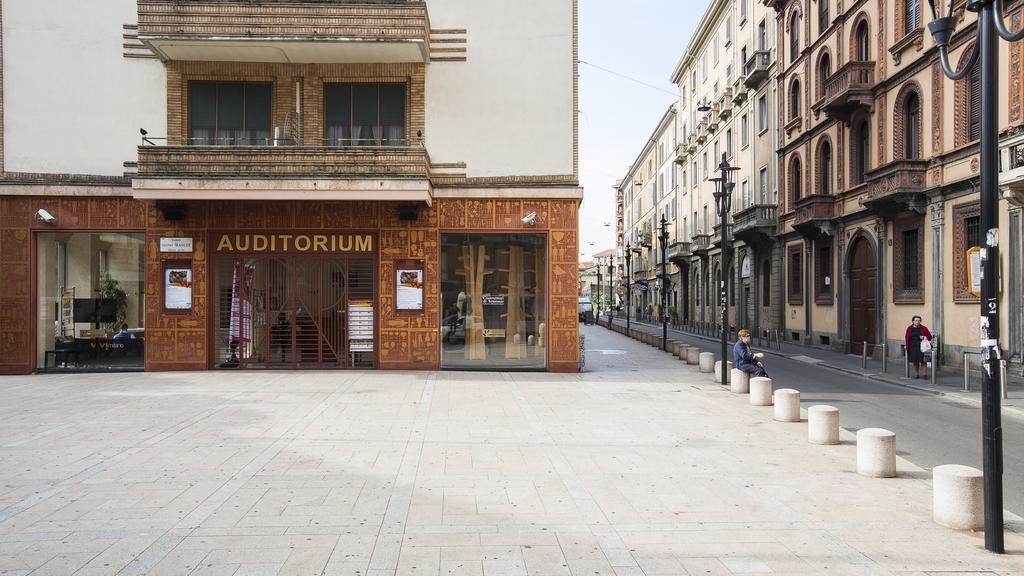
110 289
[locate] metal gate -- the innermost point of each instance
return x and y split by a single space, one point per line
290 312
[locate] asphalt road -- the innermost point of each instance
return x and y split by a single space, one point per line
931 430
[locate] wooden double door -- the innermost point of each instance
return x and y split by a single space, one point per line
863 274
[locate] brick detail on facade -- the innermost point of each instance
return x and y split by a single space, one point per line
899 117
903 294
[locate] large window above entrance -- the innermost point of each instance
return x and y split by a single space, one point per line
229 114
364 114
493 294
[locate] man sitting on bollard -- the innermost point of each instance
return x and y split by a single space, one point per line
744 359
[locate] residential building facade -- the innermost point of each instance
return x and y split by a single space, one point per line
317 184
727 108
879 150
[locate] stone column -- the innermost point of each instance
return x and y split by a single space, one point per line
1016 344
937 292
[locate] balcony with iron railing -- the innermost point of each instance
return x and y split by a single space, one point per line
297 31
756 222
849 88
755 69
896 187
813 215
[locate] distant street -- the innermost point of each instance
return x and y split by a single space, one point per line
931 430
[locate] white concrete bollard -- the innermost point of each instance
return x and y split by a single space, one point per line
693 355
739 381
823 424
718 370
787 405
707 362
958 497
679 350
760 391
876 453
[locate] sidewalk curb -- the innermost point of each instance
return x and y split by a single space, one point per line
1019 412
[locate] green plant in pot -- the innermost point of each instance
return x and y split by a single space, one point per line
110 289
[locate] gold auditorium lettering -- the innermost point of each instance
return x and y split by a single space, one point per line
277 243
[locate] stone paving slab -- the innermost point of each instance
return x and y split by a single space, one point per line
640 466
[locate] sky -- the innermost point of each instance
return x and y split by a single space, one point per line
641 39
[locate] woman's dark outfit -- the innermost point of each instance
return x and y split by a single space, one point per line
913 340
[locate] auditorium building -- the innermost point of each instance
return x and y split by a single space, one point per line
311 184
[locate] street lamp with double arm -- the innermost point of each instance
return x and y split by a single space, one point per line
723 202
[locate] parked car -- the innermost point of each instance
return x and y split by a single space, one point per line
585 307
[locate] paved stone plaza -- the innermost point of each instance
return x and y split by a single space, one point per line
640 466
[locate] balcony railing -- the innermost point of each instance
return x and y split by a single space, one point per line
678 252
847 89
298 31
814 214
755 220
896 186
755 69
700 243
321 162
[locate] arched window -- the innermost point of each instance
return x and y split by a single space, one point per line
862 42
911 15
822 15
794 37
795 179
825 166
861 143
824 71
794 100
912 127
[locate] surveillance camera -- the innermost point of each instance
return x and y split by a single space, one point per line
530 219
45 216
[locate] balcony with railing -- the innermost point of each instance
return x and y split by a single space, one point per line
755 69
716 236
725 104
739 90
757 222
896 187
814 214
389 171
700 244
297 31
848 89
678 252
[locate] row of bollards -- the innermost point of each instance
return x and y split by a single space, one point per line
957 490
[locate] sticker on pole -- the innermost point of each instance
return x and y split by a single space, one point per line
974 271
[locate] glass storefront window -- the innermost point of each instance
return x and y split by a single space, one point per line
91 308
493 294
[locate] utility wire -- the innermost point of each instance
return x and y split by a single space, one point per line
630 78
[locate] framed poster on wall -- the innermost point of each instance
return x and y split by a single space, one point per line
177 290
409 286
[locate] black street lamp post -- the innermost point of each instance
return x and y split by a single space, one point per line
663 243
990 23
597 296
629 292
611 293
723 201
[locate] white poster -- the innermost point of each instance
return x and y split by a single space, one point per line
410 290
178 289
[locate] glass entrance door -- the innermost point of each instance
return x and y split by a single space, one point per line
290 312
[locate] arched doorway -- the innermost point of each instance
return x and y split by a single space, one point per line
863 296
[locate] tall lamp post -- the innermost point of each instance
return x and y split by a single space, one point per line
611 292
596 295
990 23
723 201
629 292
663 244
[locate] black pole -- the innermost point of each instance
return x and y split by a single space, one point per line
629 292
721 290
663 241
597 312
992 430
611 291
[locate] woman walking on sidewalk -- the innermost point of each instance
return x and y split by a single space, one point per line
916 337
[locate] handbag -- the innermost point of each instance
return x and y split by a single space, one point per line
926 345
